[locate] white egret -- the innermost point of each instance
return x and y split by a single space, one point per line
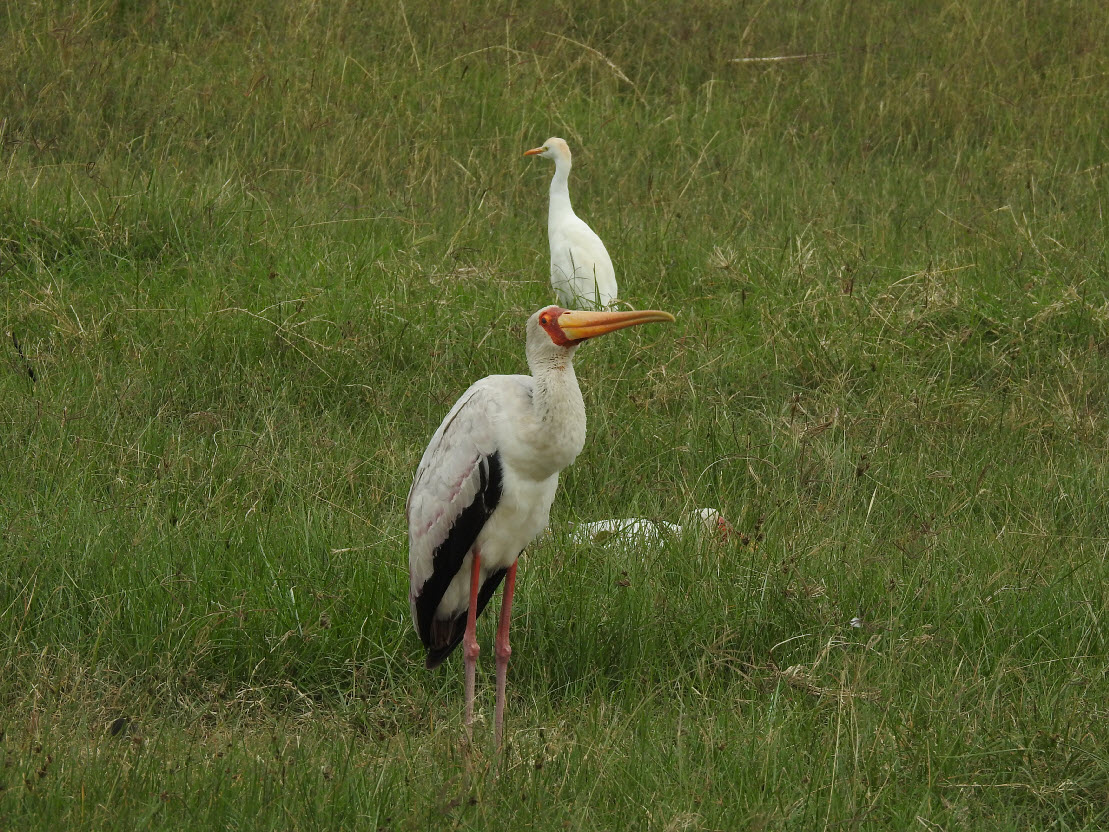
581 270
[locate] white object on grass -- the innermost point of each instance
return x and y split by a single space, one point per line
653 534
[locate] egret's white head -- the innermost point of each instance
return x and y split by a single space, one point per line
553 148
713 521
553 333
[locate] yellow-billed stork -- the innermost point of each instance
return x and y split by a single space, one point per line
484 488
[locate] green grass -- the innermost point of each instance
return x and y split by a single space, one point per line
250 254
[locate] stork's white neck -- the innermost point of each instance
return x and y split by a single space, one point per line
558 425
560 189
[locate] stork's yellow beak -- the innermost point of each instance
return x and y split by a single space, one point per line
577 326
534 151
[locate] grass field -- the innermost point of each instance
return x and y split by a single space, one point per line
250 253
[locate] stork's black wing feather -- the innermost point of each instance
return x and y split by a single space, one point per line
442 636
447 633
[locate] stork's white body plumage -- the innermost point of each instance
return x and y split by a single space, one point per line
498 416
484 487
581 270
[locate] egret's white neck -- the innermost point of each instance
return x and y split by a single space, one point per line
560 188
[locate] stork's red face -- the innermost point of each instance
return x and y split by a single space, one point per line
568 327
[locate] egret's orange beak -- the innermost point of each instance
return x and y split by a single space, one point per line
577 326
534 151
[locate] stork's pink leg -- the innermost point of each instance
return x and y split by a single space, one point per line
503 651
470 647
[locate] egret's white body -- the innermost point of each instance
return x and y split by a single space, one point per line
651 534
484 487
581 270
